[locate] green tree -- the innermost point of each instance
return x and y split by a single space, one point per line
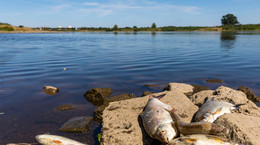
229 19
134 27
115 27
153 25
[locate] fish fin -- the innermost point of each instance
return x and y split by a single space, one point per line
218 111
190 140
207 99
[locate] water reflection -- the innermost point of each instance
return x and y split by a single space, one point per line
228 39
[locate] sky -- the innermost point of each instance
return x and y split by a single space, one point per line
126 13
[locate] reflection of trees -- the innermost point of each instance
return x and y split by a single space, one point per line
228 40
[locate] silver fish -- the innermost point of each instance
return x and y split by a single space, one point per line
46 139
162 123
201 139
211 110
197 127
157 121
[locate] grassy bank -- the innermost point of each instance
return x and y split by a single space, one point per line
248 27
7 28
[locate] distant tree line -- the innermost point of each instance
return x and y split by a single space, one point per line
229 22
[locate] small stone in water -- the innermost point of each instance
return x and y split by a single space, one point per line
50 90
76 124
65 107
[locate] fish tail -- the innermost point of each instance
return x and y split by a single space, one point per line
202 128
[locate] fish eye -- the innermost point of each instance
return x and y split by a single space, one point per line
163 131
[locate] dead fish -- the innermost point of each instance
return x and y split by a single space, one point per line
201 139
46 139
162 123
50 90
211 110
197 127
157 121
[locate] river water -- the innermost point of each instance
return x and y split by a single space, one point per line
124 62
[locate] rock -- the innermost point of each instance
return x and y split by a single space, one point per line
198 88
214 81
65 107
243 129
151 85
96 96
230 95
146 93
76 124
118 116
249 94
181 87
198 98
50 90
99 111
223 93
122 124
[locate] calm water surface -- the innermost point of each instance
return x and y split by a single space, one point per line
124 62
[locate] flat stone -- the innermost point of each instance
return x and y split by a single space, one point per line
65 107
96 96
118 116
180 87
99 111
243 129
76 124
230 95
50 90
198 98
198 88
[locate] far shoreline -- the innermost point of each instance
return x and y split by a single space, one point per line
42 32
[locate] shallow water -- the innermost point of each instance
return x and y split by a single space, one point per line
124 62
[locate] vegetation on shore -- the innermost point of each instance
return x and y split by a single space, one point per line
5 27
229 23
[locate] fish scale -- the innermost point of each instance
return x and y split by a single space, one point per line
211 110
157 121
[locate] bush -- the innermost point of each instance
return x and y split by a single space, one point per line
6 28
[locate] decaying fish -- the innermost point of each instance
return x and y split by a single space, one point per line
197 127
211 110
46 139
162 123
201 139
157 121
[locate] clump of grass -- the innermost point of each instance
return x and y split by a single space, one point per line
6 28
4 23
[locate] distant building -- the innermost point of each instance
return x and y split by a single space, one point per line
70 27
59 27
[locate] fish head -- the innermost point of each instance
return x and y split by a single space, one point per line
165 133
46 139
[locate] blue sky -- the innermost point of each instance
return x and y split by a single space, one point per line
140 13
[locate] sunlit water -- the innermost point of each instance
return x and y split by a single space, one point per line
124 62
